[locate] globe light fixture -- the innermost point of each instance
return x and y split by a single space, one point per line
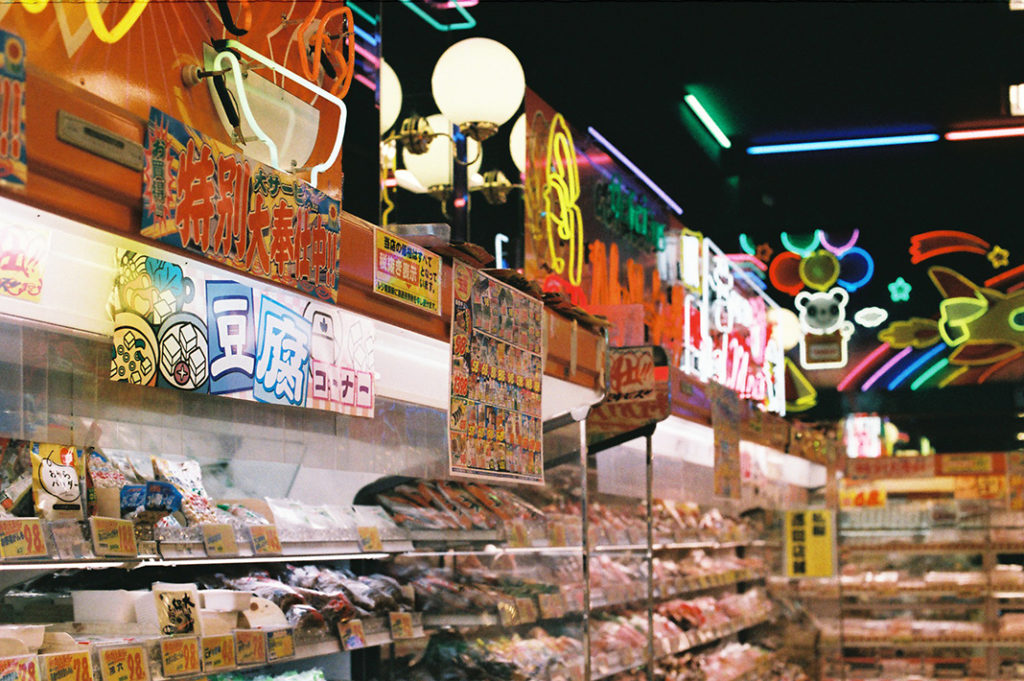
390 96
433 168
478 84
517 143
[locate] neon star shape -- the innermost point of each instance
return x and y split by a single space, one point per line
764 252
999 257
899 290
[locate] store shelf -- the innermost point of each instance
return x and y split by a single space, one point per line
936 548
711 545
919 642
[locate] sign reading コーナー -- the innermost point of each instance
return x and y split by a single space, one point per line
810 544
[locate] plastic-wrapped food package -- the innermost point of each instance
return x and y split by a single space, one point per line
15 477
187 476
57 473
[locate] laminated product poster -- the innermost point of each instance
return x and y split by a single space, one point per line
494 421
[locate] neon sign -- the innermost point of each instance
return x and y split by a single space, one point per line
622 212
561 193
826 331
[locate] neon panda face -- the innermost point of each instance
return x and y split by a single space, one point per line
822 312
60 481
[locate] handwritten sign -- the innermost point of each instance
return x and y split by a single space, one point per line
862 496
265 540
406 272
20 668
980 487
124 663
971 464
113 537
22 538
280 644
884 467
23 254
369 538
250 646
401 625
219 539
75 666
352 635
180 656
218 653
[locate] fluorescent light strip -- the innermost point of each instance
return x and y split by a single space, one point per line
843 144
885 367
931 371
982 134
708 121
915 365
636 171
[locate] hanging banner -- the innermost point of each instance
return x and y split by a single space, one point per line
406 272
982 463
727 411
886 467
810 544
494 420
203 196
13 157
989 487
176 329
23 253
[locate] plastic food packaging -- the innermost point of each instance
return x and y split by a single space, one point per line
57 473
177 608
225 600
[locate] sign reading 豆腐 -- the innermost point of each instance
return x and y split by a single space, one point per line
13 157
406 272
201 195
175 328
494 419
810 544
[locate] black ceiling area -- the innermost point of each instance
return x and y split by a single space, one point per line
778 72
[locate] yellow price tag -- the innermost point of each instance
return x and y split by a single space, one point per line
280 644
180 656
401 625
265 541
22 538
352 635
250 646
527 610
369 538
20 668
218 653
75 666
127 663
219 539
113 537
517 535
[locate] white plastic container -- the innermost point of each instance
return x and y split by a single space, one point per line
225 600
29 634
104 606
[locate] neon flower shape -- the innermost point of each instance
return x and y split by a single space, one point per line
839 250
899 290
802 249
764 252
999 257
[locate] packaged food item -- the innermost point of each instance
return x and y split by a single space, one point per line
162 496
187 477
57 472
105 483
177 608
15 472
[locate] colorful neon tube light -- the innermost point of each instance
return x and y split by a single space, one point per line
861 366
984 133
928 373
708 121
915 365
885 367
854 143
636 171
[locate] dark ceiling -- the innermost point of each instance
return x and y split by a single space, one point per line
798 71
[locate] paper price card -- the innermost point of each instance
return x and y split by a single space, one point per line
75 666
113 537
22 538
280 644
265 541
517 535
180 656
250 646
862 497
527 610
219 539
124 664
352 635
218 653
369 538
20 668
401 625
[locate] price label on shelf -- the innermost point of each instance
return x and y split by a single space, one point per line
219 539
862 497
250 646
22 538
352 635
369 538
527 610
556 533
113 537
517 535
218 653
124 663
179 656
20 668
280 644
401 625
75 666
265 541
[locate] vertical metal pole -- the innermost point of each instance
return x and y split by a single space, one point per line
460 189
650 554
584 493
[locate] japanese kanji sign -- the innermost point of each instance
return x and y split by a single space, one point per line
13 158
23 253
810 544
176 328
405 272
880 468
727 410
494 420
203 196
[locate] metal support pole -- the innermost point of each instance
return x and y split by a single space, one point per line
648 439
584 493
460 189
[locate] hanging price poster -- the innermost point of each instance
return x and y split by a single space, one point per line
726 413
203 196
13 158
494 419
406 272
810 544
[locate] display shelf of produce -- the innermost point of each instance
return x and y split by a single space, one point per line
688 641
624 594
618 548
433 537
